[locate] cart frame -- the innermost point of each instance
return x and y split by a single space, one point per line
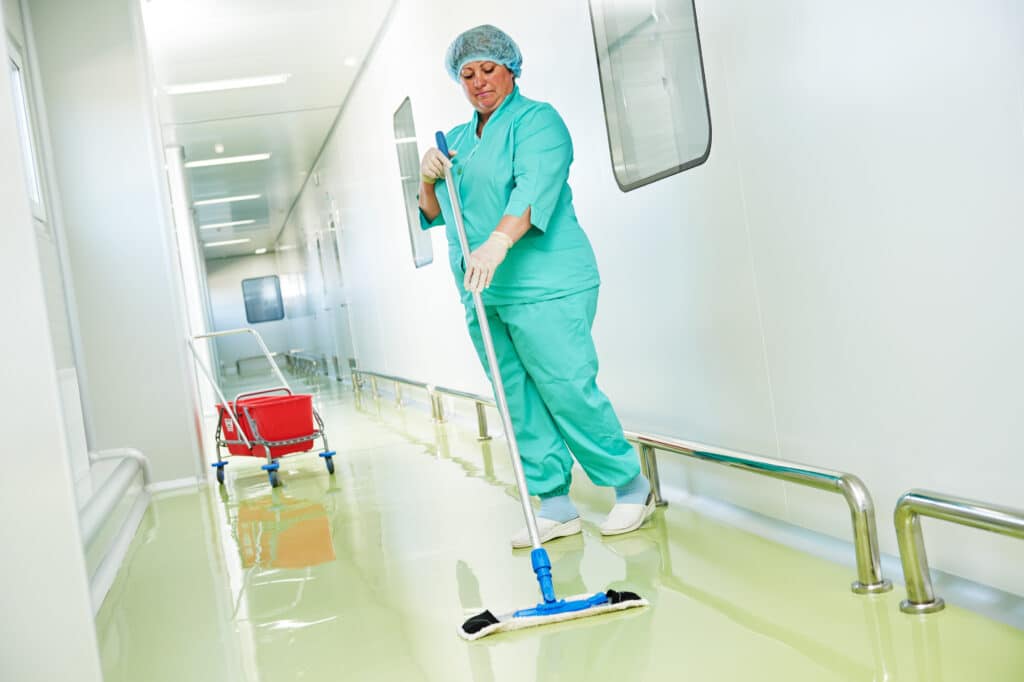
231 407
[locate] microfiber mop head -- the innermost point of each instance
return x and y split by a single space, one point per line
580 606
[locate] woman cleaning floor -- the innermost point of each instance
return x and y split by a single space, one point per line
537 273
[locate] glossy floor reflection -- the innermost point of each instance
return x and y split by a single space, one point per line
366 576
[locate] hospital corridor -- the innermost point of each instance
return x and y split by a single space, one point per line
604 340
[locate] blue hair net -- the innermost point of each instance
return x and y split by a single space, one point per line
483 43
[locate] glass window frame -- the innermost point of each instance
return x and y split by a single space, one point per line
420 241
28 137
610 121
280 299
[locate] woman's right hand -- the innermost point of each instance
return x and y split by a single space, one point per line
433 165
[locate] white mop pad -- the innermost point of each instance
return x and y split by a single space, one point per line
486 623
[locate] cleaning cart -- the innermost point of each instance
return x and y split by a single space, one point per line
270 422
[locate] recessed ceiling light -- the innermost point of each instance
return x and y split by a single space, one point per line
226 200
286 247
230 241
228 159
218 148
212 226
260 252
230 84
350 61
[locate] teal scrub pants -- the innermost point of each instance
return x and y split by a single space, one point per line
549 367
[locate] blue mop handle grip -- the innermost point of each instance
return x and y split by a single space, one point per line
442 143
542 568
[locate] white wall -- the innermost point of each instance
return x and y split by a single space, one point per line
837 285
115 206
45 602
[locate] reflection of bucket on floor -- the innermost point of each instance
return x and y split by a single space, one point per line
283 533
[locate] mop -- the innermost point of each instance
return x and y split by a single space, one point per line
552 609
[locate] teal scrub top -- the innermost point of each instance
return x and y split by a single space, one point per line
520 161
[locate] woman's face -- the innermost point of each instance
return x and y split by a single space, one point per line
486 85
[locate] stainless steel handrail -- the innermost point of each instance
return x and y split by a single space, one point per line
483 433
862 508
434 394
468 396
393 379
304 363
398 382
239 361
914 504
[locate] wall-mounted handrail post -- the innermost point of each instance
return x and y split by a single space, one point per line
649 464
865 535
481 422
862 510
432 398
917 503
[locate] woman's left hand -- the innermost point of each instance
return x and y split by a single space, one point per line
484 260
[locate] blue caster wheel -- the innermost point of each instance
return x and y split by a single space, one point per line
271 470
328 457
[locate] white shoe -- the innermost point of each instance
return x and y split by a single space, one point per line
548 530
624 518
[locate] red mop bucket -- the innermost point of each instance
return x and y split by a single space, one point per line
277 418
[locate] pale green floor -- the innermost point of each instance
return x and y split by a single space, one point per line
366 576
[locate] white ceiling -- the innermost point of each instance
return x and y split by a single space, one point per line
321 43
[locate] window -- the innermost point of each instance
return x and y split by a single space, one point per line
262 299
23 120
409 166
652 84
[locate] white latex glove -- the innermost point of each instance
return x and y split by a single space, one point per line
433 165
484 260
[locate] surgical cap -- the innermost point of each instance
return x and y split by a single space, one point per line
483 43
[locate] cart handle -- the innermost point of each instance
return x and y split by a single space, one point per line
259 340
216 388
265 391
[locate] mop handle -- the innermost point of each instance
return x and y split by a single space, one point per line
492 358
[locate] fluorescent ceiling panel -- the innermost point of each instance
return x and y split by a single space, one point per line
229 84
228 242
226 200
224 160
212 226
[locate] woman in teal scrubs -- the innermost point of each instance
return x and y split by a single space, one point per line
537 274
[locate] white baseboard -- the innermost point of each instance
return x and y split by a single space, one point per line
176 484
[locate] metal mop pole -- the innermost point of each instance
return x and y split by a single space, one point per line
499 387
